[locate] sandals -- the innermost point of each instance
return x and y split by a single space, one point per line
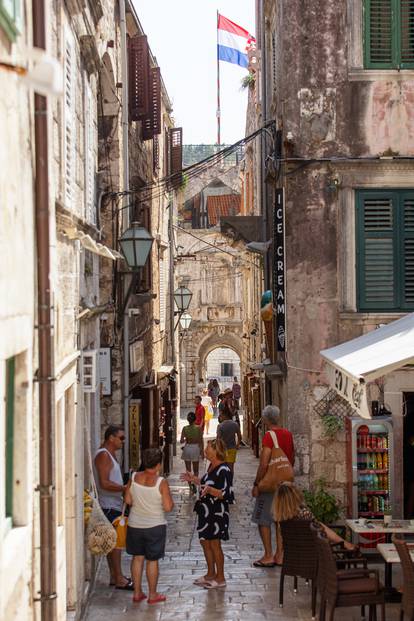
201 581
140 598
265 565
213 584
157 600
129 586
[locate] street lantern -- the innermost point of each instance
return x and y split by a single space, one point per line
135 244
182 298
185 321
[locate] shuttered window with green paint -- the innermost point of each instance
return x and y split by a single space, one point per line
389 34
385 250
9 435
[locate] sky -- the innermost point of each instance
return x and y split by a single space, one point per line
182 35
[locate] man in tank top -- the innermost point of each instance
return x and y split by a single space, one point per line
111 488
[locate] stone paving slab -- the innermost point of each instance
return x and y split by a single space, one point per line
251 594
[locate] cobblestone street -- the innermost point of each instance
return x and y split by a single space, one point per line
251 594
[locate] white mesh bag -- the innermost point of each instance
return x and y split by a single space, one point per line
100 534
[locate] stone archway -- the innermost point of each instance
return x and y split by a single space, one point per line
194 350
214 341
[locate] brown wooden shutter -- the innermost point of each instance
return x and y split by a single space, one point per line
139 78
176 154
151 125
155 155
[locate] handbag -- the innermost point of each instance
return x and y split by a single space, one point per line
279 468
120 524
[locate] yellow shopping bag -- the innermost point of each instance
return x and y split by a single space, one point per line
120 524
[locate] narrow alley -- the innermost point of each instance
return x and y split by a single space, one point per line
251 594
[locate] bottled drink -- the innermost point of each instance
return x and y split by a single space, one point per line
381 504
380 442
374 481
358 441
375 505
385 461
368 441
379 461
373 442
385 442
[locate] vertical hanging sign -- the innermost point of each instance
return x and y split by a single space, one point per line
279 284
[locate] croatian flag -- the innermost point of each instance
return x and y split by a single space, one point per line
233 42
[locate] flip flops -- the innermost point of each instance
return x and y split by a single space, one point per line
201 581
129 586
157 600
264 565
213 584
140 598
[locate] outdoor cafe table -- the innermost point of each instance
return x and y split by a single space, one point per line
363 527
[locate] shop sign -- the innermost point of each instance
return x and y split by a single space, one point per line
352 390
136 356
134 421
105 371
279 276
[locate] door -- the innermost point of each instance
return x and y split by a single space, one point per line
408 454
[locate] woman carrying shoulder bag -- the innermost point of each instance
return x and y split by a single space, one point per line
262 513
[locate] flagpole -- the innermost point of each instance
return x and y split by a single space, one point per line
218 86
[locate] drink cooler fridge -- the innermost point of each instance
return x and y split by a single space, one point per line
372 462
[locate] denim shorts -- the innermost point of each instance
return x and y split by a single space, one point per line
148 542
111 514
262 512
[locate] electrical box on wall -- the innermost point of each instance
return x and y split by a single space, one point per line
89 375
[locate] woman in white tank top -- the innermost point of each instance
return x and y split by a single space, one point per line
149 498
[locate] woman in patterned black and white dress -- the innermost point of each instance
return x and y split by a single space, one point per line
212 508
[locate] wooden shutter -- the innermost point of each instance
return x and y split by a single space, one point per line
155 155
379 34
139 78
69 121
151 125
91 156
407 34
376 251
162 292
176 155
407 289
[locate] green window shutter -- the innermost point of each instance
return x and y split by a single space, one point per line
10 398
376 251
406 43
10 17
379 34
407 234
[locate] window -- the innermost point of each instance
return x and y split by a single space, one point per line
226 369
10 17
389 34
385 250
9 435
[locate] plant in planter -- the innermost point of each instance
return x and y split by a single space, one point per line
248 81
331 425
324 506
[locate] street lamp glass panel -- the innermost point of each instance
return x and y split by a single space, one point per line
135 244
185 321
182 297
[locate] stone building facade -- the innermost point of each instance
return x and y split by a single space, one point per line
339 94
86 174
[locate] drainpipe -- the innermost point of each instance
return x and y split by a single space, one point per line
44 320
172 327
125 218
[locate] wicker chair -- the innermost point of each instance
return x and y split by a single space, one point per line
407 602
300 556
347 587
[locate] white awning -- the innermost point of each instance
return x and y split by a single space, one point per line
364 359
90 244
165 370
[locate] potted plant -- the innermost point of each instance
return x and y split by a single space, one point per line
331 425
324 505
